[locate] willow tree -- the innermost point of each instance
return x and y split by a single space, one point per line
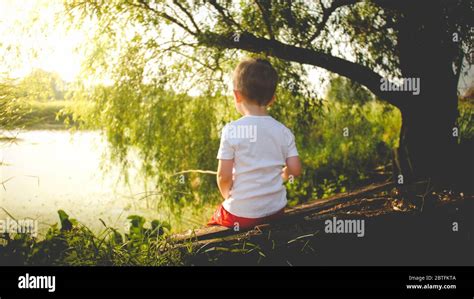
369 42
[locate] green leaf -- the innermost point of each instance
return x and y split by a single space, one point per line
66 224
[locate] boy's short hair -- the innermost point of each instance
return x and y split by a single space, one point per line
256 79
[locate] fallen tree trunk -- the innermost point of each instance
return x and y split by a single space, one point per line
291 214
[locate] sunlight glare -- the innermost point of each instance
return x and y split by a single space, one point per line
42 43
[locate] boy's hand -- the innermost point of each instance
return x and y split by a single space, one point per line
284 174
292 168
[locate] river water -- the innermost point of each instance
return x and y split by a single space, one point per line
43 171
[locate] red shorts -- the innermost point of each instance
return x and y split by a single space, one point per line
223 217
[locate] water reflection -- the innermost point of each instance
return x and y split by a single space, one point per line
45 171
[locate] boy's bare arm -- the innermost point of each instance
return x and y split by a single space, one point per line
293 167
224 177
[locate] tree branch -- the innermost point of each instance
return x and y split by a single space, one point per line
190 16
248 42
196 171
327 12
288 14
266 19
227 19
164 15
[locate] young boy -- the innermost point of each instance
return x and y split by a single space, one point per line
257 153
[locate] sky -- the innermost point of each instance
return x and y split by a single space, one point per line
55 46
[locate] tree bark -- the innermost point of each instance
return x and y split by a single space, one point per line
428 145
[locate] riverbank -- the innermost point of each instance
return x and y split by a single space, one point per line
48 115
44 115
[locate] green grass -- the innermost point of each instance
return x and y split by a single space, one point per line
71 243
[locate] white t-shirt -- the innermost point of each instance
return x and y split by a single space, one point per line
259 146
